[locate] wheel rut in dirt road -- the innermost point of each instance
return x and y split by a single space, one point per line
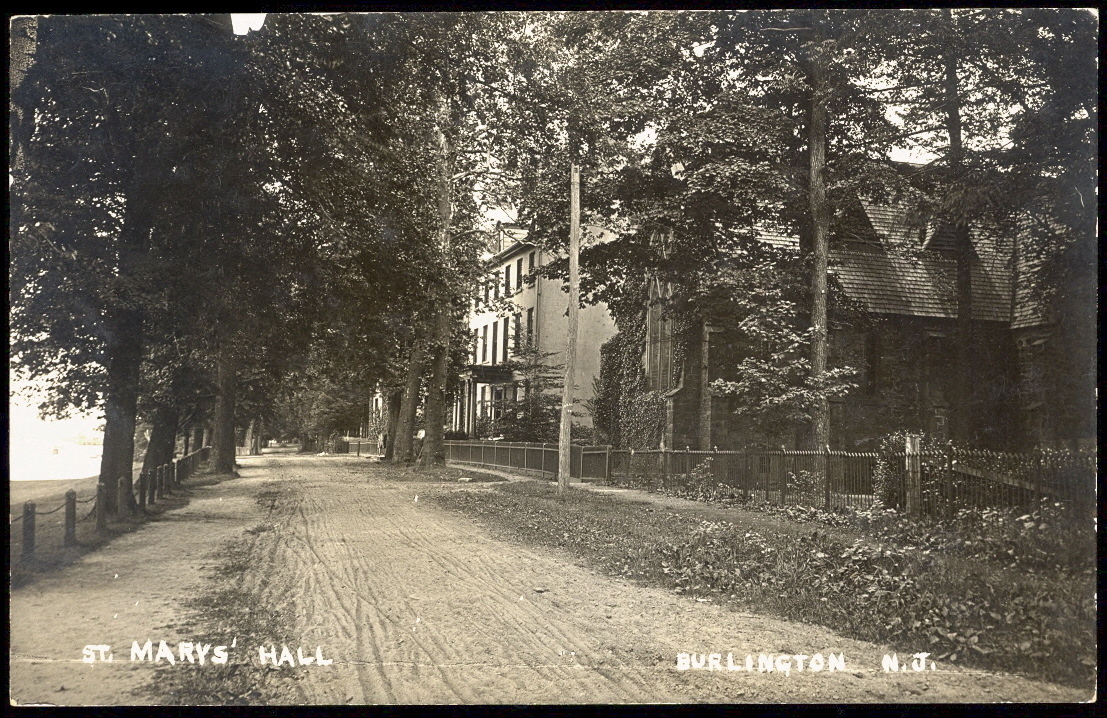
416 604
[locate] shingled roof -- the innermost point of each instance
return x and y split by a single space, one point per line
921 284
907 273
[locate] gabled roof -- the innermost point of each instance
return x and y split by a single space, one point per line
904 273
922 284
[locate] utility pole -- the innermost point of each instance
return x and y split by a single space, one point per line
563 453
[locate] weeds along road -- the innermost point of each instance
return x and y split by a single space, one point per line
414 604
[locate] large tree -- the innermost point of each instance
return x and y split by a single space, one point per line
116 107
1003 101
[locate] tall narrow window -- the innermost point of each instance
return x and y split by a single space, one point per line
507 281
484 345
518 335
519 274
495 331
476 343
506 319
530 263
486 288
530 325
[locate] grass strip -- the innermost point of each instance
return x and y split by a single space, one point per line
977 613
231 608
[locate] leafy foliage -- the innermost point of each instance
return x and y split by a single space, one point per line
626 415
536 415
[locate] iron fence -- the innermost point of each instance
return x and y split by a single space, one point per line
352 445
585 462
932 482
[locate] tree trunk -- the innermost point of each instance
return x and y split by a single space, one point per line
124 350
405 423
820 237
255 438
395 398
223 439
187 435
434 415
248 437
962 389
163 437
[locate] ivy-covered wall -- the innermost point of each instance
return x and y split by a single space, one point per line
624 413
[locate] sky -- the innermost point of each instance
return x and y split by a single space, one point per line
41 449
243 22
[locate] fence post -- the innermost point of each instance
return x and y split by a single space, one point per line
913 475
142 479
826 476
168 478
71 518
1040 494
101 512
787 469
28 530
123 494
607 464
951 485
151 485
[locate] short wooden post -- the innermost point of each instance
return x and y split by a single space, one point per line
913 475
28 530
142 479
159 489
71 518
151 485
607 464
123 493
101 509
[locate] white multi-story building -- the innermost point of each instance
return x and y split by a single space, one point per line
537 313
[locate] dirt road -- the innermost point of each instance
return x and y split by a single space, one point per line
416 605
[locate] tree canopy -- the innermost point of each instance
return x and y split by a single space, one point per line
205 228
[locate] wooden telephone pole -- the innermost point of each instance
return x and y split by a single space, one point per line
563 444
